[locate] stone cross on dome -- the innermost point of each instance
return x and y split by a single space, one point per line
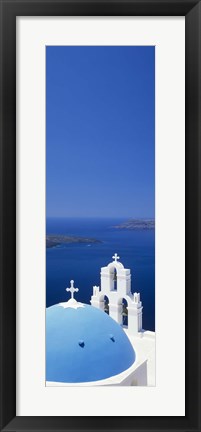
115 257
72 289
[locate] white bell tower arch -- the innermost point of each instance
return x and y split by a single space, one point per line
116 286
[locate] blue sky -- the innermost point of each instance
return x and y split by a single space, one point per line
100 131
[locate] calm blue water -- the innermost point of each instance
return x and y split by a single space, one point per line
82 262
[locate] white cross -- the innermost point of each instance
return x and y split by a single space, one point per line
115 257
72 289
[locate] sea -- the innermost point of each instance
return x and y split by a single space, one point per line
82 262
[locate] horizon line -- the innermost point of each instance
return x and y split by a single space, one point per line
100 217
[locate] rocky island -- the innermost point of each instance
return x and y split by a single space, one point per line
137 224
53 240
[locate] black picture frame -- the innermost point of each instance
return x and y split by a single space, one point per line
191 9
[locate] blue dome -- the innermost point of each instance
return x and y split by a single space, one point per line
84 344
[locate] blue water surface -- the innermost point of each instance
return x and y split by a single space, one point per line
82 262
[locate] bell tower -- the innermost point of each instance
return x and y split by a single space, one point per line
116 288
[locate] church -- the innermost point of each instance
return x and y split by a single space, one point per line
102 344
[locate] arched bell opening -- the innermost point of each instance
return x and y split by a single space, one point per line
124 312
106 305
113 279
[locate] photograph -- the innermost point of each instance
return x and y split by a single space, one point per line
100 193
100 216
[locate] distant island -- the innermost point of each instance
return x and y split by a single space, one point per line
137 224
53 240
